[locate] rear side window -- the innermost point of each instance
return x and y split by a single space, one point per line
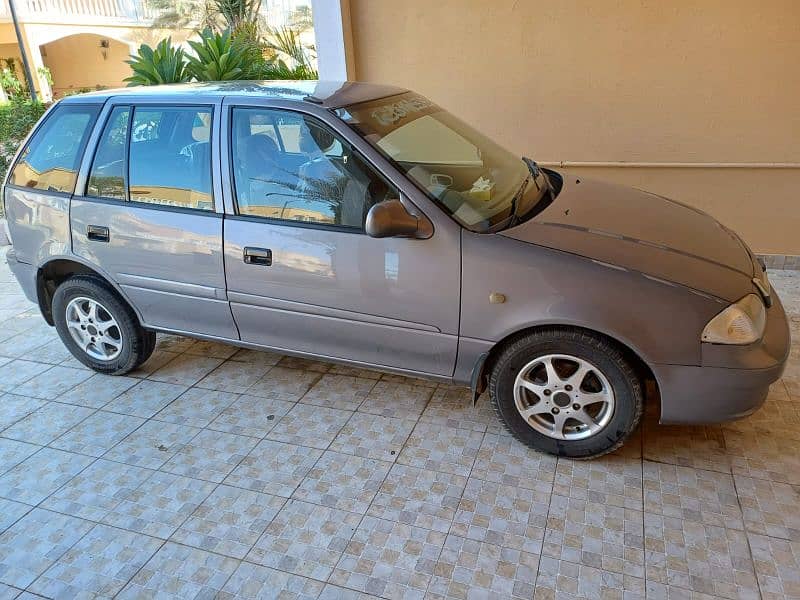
170 157
156 155
51 158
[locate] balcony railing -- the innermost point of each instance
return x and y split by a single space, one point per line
80 11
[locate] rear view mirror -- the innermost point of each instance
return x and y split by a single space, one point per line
390 218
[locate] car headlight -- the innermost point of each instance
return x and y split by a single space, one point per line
740 323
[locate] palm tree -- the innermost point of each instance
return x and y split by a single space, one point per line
185 14
238 13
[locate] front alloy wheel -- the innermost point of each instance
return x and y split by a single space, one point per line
566 392
564 397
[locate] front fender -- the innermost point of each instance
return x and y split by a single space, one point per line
659 321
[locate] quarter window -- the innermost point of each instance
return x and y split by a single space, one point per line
291 167
107 177
50 160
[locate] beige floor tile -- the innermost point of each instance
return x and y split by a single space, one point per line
185 369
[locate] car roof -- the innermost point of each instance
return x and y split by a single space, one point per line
329 94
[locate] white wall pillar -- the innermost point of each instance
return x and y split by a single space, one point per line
32 38
333 39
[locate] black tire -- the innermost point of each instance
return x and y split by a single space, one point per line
150 346
137 342
595 349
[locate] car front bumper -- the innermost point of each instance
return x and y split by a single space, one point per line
732 382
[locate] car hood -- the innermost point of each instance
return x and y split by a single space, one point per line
640 231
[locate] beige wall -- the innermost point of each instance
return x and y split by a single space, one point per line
78 61
711 81
12 51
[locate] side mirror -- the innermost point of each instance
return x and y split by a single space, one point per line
390 218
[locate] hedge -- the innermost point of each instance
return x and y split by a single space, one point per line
17 117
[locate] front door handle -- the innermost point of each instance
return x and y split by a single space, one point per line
97 233
258 256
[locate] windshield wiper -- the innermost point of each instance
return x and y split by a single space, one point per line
534 169
515 201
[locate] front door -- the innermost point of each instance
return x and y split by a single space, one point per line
148 217
303 276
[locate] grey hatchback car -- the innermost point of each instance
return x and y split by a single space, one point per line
364 224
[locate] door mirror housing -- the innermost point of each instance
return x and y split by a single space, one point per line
391 218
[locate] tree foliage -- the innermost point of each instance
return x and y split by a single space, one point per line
285 42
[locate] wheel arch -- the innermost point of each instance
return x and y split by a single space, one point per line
55 271
483 368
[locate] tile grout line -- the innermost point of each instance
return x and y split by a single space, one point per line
747 537
40 507
644 511
546 525
160 468
744 529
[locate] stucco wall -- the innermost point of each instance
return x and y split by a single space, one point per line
713 81
78 61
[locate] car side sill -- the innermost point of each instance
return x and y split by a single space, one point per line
323 357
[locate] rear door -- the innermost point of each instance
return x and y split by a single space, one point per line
303 275
149 213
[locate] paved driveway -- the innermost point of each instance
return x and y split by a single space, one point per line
218 470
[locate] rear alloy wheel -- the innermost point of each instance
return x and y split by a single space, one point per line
98 327
566 392
94 329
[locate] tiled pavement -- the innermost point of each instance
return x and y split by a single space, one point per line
222 472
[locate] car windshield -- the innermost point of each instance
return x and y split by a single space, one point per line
469 175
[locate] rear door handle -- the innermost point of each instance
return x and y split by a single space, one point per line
97 233
258 256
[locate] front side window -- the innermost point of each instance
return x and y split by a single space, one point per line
469 175
169 159
50 160
291 167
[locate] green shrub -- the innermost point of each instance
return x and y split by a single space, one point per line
163 64
17 118
218 57
236 53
